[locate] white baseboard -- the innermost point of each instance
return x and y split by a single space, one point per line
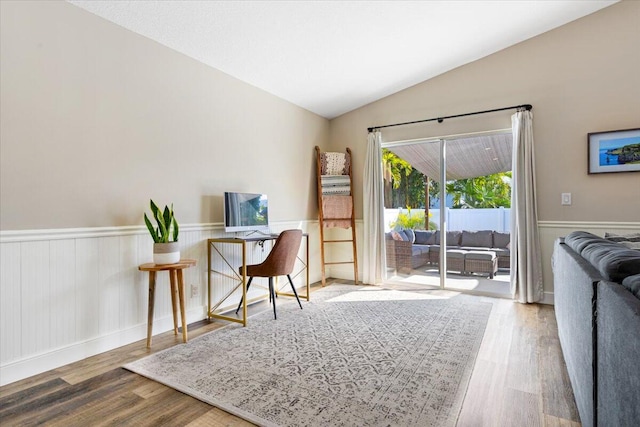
15 371
547 298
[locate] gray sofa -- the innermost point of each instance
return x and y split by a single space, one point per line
468 252
597 307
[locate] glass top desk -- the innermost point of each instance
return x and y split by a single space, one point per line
226 255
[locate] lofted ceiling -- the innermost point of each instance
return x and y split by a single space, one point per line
331 57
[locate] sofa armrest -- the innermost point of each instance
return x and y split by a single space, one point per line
574 292
399 253
618 353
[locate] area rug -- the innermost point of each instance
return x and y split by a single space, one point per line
354 356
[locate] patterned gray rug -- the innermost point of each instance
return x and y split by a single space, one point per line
354 356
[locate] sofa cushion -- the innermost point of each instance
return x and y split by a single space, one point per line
631 245
453 238
612 260
579 240
419 250
594 252
501 240
456 253
631 241
632 283
474 248
423 237
481 255
501 252
434 239
618 264
633 237
478 239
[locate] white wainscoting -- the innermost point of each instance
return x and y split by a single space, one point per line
549 231
69 294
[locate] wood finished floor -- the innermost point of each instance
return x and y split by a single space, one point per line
519 379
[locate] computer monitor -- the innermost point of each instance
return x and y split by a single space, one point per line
245 212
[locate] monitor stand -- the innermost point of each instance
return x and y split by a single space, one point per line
260 232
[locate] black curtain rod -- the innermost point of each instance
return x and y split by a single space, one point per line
441 119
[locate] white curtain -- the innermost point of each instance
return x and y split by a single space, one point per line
373 212
526 268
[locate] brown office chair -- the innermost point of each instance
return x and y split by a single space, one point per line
279 262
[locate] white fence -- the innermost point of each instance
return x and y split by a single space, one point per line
497 219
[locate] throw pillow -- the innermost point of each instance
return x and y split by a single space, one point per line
501 240
434 239
423 236
478 239
396 236
453 238
411 236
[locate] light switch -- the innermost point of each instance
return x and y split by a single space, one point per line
566 198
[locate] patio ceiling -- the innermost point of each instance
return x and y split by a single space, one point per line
467 157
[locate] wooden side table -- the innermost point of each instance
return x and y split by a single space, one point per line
177 286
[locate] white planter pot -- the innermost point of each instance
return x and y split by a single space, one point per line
166 253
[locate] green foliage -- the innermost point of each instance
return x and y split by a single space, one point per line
394 168
167 224
491 191
412 220
406 186
628 154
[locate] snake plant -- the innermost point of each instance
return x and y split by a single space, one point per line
166 224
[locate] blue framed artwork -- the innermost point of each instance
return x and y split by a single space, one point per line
614 151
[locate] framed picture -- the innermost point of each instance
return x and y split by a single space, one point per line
614 151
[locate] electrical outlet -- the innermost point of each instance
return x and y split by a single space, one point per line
194 291
566 199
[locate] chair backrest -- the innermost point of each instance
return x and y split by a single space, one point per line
282 257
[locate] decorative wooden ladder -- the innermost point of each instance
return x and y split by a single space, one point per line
323 197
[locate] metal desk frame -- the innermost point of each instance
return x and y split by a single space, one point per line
213 248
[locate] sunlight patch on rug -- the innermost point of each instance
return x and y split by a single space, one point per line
361 356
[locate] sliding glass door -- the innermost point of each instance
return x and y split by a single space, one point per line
447 204
412 175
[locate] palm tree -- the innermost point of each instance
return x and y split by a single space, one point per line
393 169
489 191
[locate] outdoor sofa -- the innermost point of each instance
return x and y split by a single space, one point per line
468 252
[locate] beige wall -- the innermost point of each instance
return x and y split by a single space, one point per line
580 78
95 120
